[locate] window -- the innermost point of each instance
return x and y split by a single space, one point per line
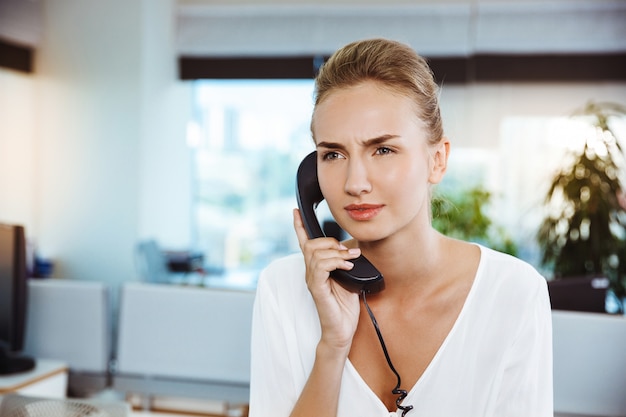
248 138
532 150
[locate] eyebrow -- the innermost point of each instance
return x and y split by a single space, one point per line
368 142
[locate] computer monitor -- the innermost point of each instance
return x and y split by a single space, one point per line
13 300
579 294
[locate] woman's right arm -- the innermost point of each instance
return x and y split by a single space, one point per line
320 396
338 311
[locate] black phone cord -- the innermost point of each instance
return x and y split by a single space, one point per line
401 393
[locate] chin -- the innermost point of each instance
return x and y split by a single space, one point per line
367 235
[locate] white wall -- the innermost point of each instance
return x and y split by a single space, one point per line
17 136
165 159
88 67
473 113
92 147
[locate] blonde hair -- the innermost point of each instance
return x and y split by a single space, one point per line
395 66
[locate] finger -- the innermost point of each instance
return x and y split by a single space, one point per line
333 253
321 262
303 237
298 226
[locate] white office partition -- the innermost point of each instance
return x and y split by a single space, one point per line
589 364
69 320
185 333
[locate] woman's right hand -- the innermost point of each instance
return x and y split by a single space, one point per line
338 308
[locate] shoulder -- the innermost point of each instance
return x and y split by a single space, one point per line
508 266
505 275
284 277
283 299
283 268
294 259
512 293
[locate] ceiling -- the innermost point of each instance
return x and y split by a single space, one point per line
442 28
434 28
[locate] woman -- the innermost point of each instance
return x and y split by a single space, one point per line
466 328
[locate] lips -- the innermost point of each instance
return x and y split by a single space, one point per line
363 212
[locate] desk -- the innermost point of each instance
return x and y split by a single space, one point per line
48 379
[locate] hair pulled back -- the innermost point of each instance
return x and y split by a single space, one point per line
395 66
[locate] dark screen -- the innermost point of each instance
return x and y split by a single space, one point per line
13 299
7 256
12 286
579 294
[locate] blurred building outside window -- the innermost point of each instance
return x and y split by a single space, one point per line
248 138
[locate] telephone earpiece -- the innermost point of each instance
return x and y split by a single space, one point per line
363 276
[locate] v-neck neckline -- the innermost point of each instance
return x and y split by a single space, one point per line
435 359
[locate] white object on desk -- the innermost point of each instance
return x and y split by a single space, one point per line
48 379
185 333
589 364
181 341
68 320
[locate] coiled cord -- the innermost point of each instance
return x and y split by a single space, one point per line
401 393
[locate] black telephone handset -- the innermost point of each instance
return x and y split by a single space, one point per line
363 276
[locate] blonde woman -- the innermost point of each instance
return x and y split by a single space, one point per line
464 330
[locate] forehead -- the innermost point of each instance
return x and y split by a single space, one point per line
368 107
364 87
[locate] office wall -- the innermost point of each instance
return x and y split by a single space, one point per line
17 136
165 159
92 144
473 113
88 70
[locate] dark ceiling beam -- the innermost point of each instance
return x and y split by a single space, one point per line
551 68
481 67
477 68
246 68
16 57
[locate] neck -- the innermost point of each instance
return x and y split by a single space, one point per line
407 265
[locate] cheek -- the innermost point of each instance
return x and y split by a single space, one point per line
407 182
332 189
406 173
329 183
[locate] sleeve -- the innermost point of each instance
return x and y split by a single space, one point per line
272 390
526 387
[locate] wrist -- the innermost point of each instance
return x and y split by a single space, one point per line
333 351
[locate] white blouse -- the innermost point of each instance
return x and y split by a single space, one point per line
495 362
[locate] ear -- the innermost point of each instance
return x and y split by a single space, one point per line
439 161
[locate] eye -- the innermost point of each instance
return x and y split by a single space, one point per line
330 156
383 150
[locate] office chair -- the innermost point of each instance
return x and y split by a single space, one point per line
151 262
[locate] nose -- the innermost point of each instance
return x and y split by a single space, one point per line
357 178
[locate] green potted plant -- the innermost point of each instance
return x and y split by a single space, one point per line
583 232
460 213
